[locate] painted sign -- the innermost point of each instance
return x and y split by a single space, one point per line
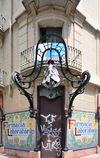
19 131
54 55
82 131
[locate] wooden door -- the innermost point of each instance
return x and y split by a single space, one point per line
51 106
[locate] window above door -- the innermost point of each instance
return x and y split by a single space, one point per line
45 31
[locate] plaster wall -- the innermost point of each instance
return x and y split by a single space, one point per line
89 49
1 58
15 48
30 32
91 10
16 103
87 100
6 14
23 33
6 52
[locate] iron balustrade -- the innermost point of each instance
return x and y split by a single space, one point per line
2 77
74 58
2 20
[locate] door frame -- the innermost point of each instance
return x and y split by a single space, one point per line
38 102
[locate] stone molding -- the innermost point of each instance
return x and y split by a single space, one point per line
32 6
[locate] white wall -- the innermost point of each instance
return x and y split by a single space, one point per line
91 10
89 49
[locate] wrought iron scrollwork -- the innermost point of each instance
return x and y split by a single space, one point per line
18 81
78 81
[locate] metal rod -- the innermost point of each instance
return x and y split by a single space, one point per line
36 148
65 132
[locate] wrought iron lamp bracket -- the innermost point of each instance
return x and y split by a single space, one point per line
61 50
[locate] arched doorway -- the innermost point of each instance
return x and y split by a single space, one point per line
51 110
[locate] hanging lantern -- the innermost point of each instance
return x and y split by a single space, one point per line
51 77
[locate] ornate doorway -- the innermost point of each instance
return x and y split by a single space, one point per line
51 109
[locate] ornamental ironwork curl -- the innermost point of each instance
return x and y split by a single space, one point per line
46 46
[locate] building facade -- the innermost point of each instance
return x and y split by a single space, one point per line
50 131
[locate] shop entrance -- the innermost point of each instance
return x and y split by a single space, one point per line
51 110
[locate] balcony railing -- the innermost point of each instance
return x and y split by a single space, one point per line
74 58
2 21
26 58
3 75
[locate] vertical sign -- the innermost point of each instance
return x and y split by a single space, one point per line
82 131
19 131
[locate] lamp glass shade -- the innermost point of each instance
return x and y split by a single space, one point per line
51 77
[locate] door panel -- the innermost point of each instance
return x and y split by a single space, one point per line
51 126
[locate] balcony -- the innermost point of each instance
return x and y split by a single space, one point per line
74 57
3 75
68 6
2 20
28 55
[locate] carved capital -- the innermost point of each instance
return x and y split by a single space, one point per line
30 6
33 8
71 6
